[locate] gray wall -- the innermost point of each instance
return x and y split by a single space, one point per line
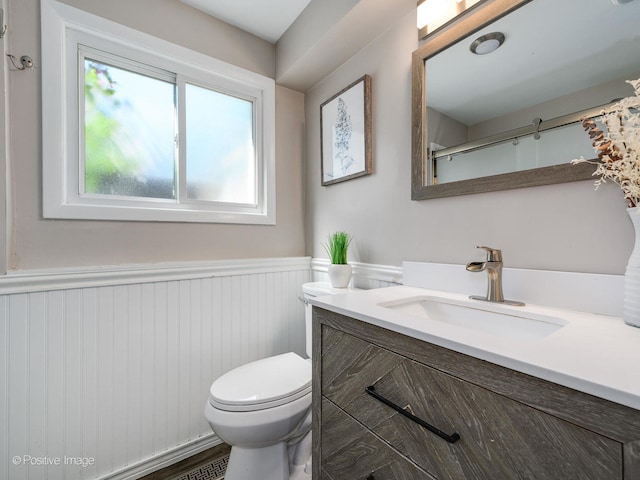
566 227
34 243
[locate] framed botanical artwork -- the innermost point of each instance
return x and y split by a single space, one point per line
345 133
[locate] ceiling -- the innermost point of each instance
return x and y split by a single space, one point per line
314 37
267 19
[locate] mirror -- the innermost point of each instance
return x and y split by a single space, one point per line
510 118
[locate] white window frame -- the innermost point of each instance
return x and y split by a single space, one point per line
64 30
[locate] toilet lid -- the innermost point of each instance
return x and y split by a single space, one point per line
262 384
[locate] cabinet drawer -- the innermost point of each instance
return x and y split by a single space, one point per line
349 451
499 438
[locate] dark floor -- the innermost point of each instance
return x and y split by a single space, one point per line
205 465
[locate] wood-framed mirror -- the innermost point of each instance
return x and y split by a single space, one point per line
570 59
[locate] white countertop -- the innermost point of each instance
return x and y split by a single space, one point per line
595 354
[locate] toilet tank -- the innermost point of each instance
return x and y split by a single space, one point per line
317 289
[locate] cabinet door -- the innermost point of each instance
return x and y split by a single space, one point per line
349 451
500 439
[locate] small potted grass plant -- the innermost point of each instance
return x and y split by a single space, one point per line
339 270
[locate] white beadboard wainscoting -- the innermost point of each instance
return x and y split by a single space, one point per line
112 368
104 372
365 275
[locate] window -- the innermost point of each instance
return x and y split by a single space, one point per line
136 128
129 134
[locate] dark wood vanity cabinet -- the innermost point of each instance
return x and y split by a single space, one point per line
388 406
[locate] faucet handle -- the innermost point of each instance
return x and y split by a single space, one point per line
493 254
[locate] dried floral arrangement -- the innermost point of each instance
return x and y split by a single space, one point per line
618 148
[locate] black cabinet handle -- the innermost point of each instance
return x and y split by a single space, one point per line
453 438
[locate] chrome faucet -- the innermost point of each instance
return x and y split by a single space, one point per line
493 266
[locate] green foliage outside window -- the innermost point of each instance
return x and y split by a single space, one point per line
104 158
129 133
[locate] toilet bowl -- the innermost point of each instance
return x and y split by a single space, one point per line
263 410
257 408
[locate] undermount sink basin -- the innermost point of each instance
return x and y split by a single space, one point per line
496 319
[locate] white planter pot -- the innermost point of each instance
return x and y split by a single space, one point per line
339 275
632 276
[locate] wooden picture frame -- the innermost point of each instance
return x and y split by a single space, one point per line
345 133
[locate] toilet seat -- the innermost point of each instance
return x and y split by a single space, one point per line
262 384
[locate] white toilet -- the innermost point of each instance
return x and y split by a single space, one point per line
263 410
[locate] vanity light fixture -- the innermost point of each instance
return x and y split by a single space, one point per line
487 43
433 14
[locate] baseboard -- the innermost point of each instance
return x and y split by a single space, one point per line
162 460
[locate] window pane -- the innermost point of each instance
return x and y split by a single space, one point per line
220 147
129 133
